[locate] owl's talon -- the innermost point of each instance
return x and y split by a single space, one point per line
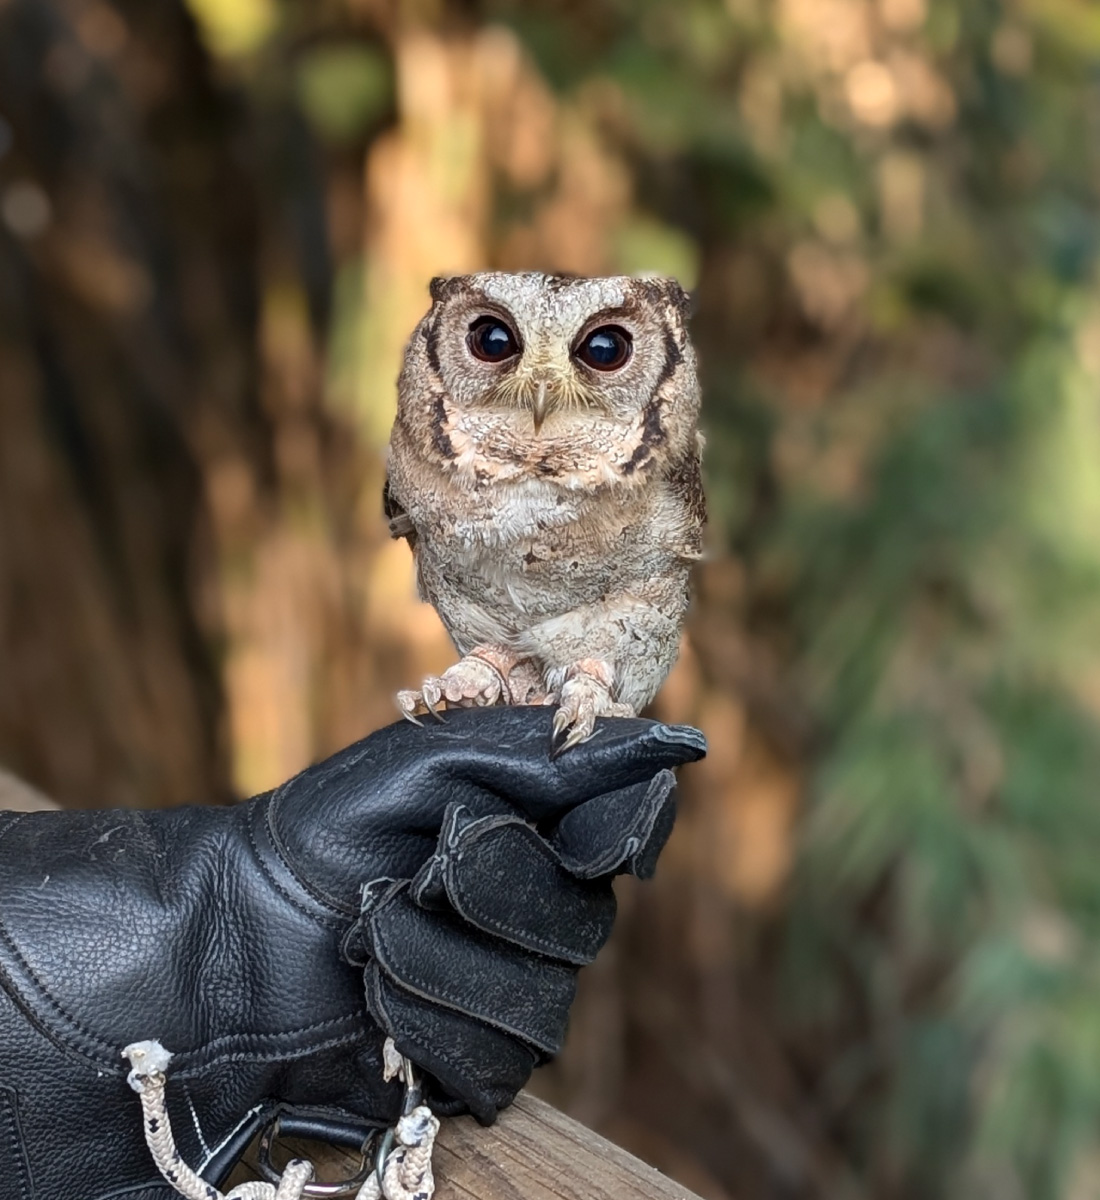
580 732
476 681
411 704
585 695
431 694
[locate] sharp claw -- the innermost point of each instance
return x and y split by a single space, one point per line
560 725
576 735
430 696
574 726
406 704
574 739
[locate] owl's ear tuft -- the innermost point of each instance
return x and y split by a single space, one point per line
665 290
678 297
440 286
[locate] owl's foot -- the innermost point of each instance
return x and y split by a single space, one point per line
526 684
585 695
486 676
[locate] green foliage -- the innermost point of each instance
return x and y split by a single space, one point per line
940 604
344 89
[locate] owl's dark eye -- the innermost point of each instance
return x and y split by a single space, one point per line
491 340
605 349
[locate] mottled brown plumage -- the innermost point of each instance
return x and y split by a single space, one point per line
551 492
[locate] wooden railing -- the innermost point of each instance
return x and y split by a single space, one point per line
20 796
533 1152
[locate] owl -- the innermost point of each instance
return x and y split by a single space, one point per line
544 466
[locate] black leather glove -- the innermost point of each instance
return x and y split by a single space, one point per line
240 939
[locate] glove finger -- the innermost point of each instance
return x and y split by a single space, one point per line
500 875
440 958
482 1066
621 832
375 808
505 752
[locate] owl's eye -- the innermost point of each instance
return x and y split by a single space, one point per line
491 340
605 349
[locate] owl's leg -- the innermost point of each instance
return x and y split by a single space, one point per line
487 675
608 659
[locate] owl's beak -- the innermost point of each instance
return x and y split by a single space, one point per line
541 406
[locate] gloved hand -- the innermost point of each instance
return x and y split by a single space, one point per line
240 938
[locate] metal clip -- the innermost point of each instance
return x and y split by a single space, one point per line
414 1089
343 1187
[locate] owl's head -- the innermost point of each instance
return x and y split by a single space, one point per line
540 349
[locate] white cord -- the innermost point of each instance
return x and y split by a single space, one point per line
406 1175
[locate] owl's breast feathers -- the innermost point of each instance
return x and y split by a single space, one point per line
585 486
482 478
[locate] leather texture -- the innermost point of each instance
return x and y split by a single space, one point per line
441 884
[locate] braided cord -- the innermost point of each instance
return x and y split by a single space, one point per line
405 1175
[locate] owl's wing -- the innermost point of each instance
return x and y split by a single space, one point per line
401 525
686 478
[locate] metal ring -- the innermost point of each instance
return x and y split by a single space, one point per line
381 1154
343 1187
414 1088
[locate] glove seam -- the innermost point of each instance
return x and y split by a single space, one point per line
416 987
69 1033
645 753
39 988
334 921
429 1053
658 790
186 1070
460 897
403 1035
280 852
536 945
16 819
11 1115
95 1043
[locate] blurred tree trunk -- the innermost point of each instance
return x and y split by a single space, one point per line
127 327
192 600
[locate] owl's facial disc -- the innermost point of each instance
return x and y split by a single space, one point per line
546 376
542 385
540 378
532 361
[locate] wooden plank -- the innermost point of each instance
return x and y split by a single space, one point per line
19 796
533 1152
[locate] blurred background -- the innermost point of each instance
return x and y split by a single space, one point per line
870 963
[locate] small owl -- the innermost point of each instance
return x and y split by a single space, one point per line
545 468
